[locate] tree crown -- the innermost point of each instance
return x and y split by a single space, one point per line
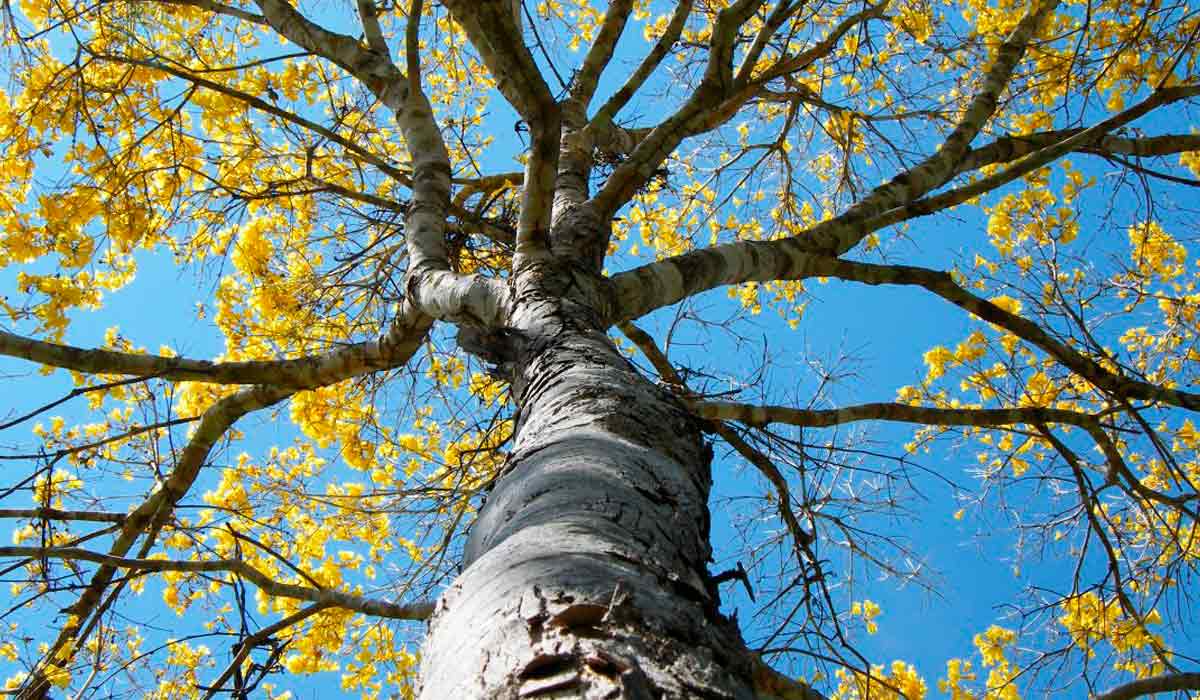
362 199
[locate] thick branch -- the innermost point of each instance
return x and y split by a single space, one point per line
388 351
662 283
368 14
650 62
218 9
58 514
897 412
717 84
1010 148
943 285
938 168
583 87
1166 683
666 282
492 29
432 287
1029 163
341 599
373 69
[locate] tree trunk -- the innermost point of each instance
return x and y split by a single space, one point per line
585 574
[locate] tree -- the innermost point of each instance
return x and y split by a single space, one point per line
338 175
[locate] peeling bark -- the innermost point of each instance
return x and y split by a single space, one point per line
585 572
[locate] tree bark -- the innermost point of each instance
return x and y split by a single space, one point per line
585 574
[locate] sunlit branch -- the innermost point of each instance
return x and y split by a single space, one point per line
430 283
393 171
943 285
836 237
649 64
716 85
537 195
492 29
583 87
756 415
707 111
145 521
1165 683
752 87
90 516
216 8
375 70
1150 172
665 282
578 144
1010 148
662 283
387 352
1029 163
368 14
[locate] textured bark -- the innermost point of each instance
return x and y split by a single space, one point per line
585 573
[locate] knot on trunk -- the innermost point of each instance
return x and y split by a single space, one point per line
496 346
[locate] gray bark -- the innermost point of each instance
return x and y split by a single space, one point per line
585 573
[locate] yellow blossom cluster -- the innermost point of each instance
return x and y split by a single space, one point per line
899 681
1091 620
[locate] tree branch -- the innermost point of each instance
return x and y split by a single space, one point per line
266 107
245 646
145 520
333 598
368 14
583 87
604 116
668 281
839 235
943 285
896 412
717 84
1010 148
58 514
1029 163
216 8
1166 683
390 350
494 32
